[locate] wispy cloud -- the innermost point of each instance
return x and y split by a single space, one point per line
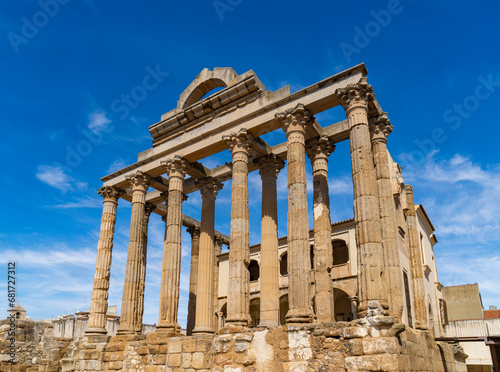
462 202
98 121
116 165
86 202
55 177
465 191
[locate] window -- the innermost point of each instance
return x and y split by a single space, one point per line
254 270
340 252
284 264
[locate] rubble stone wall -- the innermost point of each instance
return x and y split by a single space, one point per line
340 346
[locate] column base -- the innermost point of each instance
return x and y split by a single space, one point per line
96 331
203 330
299 316
168 328
268 323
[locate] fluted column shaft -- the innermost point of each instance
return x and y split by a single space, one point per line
380 128
294 123
372 282
318 151
238 298
269 279
99 302
148 209
131 300
193 278
205 286
417 271
172 249
218 250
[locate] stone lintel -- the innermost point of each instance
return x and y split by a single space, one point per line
258 117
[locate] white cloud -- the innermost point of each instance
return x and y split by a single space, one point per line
462 201
87 202
465 191
98 121
55 177
116 165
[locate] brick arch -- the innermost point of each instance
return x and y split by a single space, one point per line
207 80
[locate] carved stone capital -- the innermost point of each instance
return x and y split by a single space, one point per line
319 147
380 127
352 95
270 165
240 142
175 167
194 231
209 187
295 120
148 209
110 192
139 181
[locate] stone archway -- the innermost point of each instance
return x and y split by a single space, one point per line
255 312
342 305
204 83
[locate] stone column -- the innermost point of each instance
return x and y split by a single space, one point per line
218 250
148 209
380 128
354 307
294 123
269 279
372 281
99 302
172 250
417 270
209 188
193 277
238 298
129 319
318 150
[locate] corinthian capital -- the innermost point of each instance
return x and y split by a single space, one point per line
110 192
175 167
138 180
319 147
209 187
360 93
380 127
296 119
239 142
270 165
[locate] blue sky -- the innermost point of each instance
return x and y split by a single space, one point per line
69 66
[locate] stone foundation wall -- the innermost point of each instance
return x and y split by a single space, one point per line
337 346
